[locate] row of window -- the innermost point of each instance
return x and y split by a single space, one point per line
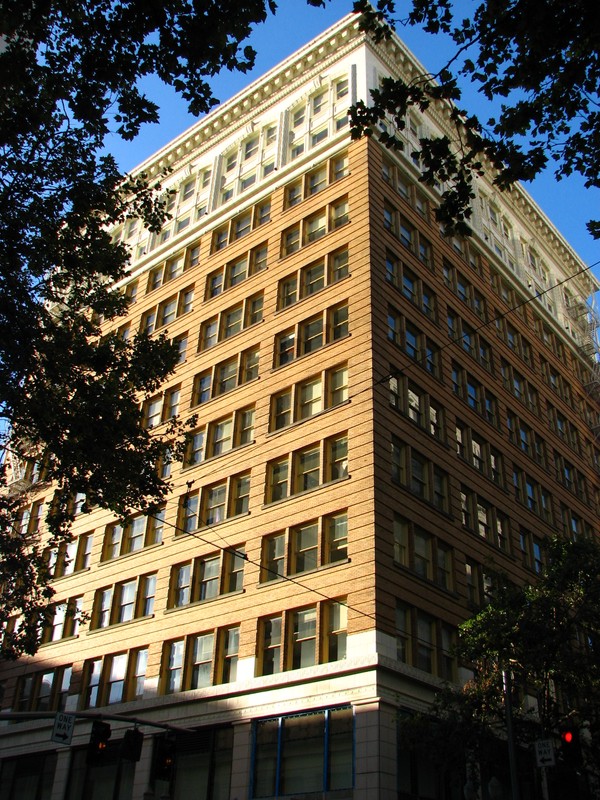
305 337
410 285
292 640
311 334
429 482
420 408
395 177
423 553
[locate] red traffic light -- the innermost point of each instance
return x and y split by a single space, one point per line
567 736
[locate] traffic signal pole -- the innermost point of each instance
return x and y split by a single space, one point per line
91 715
510 736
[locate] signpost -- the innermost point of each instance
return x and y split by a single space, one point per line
63 728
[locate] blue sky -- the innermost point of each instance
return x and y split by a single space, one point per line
567 203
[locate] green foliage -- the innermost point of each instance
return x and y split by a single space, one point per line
543 59
71 74
547 636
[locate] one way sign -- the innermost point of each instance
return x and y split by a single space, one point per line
63 728
544 753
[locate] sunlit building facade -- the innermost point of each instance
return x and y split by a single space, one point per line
381 413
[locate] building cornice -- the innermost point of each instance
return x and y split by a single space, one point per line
266 91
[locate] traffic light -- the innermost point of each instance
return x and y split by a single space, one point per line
98 742
131 746
164 757
570 746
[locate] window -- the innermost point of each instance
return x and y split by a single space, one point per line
556 381
415 403
181 342
484 519
514 339
517 385
420 476
168 310
62 620
312 278
464 289
124 602
408 235
412 341
71 557
305 547
574 525
171 402
207 577
217 502
231 321
226 376
405 187
479 584
307 469
303 753
302 637
220 436
409 284
311 334
240 225
564 428
303 400
160 408
115 679
200 660
425 642
172 268
423 553
548 337
570 477
474 394
532 494
138 532
471 342
44 691
532 551
525 438
314 227
478 452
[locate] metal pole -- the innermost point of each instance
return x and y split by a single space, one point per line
510 738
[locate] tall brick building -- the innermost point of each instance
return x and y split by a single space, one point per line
382 412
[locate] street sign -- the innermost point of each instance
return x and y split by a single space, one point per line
544 753
63 728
